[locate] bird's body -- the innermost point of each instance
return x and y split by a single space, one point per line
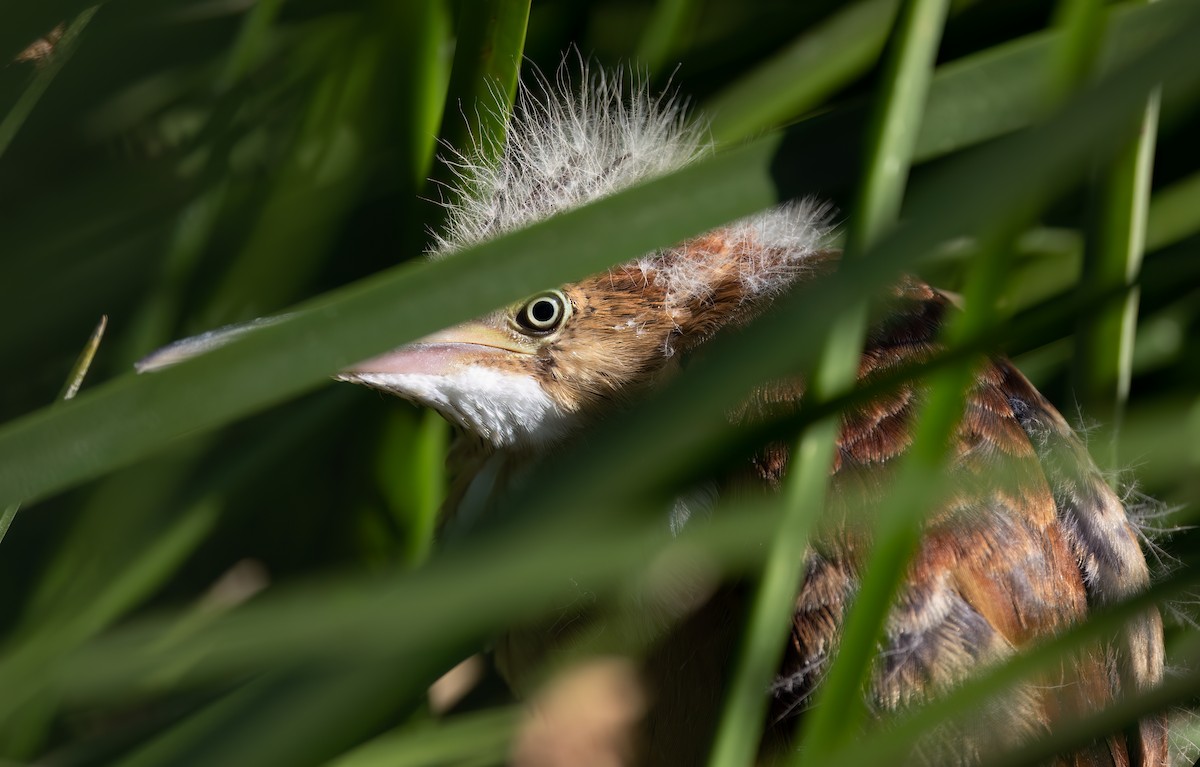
1027 539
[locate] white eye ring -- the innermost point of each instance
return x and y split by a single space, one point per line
544 312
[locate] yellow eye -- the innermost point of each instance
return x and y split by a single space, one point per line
544 313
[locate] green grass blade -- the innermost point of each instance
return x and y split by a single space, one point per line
664 32
83 362
7 517
740 728
410 615
899 116
253 716
483 82
1081 30
1003 88
485 733
972 99
804 73
250 47
488 50
426 32
1172 216
70 388
890 149
412 472
298 718
1113 258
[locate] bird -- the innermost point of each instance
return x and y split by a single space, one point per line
1029 540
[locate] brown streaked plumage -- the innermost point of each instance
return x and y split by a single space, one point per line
1029 539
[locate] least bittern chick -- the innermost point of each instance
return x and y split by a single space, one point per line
1029 539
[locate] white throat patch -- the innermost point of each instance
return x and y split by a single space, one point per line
504 408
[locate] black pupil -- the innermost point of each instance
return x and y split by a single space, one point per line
543 311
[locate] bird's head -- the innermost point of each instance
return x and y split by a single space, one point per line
529 374
532 372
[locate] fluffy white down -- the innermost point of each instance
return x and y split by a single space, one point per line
507 409
571 146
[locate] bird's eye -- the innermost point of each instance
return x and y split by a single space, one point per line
544 312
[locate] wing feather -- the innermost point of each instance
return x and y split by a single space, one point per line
1030 538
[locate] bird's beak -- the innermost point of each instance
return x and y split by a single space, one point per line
477 375
445 351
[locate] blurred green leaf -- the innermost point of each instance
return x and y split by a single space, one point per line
411 468
663 32
453 740
1172 215
804 73
69 390
483 83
